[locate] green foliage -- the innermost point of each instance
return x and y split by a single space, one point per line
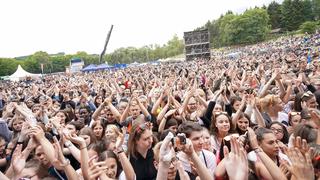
316 9
58 62
307 11
8 66
308 26
250 27
296 12
274 11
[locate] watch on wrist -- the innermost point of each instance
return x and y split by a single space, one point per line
118 150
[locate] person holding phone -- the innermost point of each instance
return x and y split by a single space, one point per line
194 132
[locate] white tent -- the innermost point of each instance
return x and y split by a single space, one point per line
21 74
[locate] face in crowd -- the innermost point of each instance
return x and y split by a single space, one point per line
134 110
145 141
17 124
98 129
269 143
192 105
40 155
222 123
243 123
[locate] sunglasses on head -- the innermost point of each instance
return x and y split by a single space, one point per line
294 113
143 126
219 113
307 94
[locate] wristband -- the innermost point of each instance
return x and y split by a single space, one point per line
119 150
83 148
20 142
8 158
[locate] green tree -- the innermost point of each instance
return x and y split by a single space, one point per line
224 28
308 26
287 15
307 11
292 14
39 58
8 66
274 11
316 9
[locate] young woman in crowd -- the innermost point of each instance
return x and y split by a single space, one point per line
221 126
140 151
98 129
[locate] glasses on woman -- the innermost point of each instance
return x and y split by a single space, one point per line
275 130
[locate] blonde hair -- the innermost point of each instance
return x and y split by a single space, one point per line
267 101
114 128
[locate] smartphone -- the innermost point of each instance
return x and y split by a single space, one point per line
179 140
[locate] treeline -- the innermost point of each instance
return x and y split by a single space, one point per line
58 62
252 26
255 24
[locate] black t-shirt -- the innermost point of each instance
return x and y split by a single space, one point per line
144 168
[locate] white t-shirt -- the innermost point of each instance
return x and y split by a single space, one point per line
283 117
207 157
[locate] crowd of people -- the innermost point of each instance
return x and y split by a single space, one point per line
253 117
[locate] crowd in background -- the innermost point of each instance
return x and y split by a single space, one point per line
253 116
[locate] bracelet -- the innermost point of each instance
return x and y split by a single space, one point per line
118 151
121 151
83 148
8 158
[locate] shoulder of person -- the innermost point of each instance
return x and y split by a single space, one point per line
208 154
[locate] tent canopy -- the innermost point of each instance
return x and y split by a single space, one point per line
91 67
104 66
21 74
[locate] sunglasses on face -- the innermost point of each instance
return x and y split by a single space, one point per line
83 112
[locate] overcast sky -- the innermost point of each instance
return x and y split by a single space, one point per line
69 26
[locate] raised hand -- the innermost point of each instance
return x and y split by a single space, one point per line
315 117
166 150
37 132
25 130
60 162
77 140
237 158
96 169
18 160
301 166
301 145
188 148
252 139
